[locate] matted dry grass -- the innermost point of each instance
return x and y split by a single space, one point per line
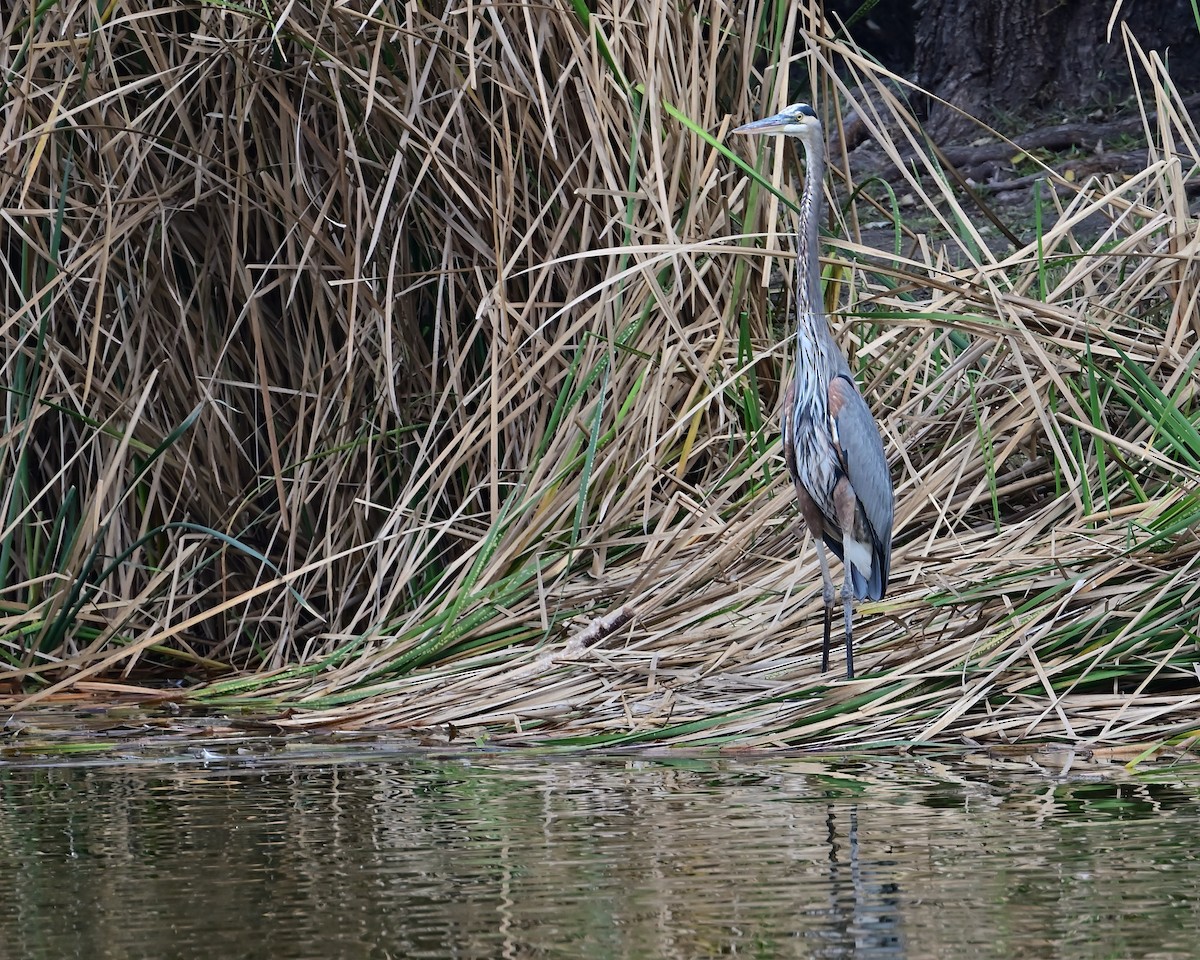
373 353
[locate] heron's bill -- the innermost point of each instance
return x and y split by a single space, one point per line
765 125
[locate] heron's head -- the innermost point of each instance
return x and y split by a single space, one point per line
797 120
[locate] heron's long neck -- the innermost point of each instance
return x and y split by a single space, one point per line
818 355
810 307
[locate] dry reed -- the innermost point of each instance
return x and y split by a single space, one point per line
371 353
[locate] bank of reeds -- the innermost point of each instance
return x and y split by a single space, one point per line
421 366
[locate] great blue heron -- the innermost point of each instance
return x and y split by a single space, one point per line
830 441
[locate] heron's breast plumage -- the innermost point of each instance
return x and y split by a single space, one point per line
814 461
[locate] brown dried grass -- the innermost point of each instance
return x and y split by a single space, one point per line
372 352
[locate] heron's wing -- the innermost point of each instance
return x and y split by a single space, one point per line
865 464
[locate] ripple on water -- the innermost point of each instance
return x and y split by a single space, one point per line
376 855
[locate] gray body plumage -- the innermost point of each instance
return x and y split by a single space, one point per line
831 443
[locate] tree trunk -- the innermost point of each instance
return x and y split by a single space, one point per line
1040 59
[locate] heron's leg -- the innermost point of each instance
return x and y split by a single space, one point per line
848 612
827 595
846 503
816 526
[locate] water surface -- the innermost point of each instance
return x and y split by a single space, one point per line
365 851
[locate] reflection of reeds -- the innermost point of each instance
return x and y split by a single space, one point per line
382 855
378 355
